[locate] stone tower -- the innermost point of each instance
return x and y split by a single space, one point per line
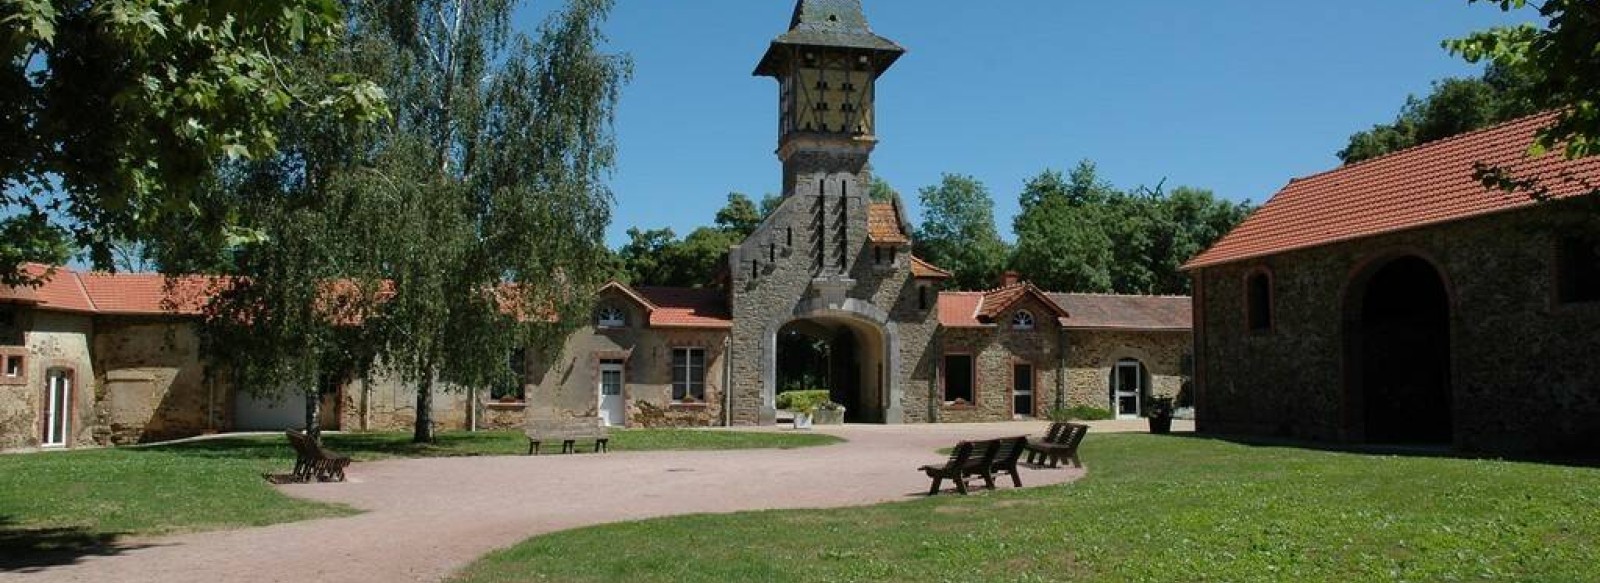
829 259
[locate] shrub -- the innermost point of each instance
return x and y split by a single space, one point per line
1081 413
803 401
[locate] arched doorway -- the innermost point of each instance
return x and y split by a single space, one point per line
1397 354
844 356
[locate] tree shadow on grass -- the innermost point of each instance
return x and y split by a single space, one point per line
1395 450
361 446
32 550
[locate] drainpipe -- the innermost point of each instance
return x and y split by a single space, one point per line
1061 369
727 381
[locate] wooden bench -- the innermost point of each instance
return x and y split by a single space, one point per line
569 431
982 459
1060 443
312 461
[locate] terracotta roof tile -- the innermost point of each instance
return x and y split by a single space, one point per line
883 224
146 293
61 291
1421 186
1144 313
687 308
923 270
960 309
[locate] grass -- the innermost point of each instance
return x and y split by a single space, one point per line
61 501
1152 509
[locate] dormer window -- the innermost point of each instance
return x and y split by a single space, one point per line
1022 320
612 317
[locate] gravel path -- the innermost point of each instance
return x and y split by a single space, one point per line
426 518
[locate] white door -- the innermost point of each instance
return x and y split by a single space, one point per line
612 408
1127 389
57 421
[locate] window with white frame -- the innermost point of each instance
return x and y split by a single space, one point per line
612 317
689 375
1022 320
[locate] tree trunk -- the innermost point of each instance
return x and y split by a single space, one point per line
313 416
423 432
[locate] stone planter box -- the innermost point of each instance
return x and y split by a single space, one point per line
827 417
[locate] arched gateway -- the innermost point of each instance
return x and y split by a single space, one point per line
864 352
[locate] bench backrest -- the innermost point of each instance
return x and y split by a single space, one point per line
1054 435
1008 451
960 455
1074 435
553 427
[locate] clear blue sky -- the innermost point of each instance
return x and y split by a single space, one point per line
1233 95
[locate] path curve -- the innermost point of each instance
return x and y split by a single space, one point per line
425 519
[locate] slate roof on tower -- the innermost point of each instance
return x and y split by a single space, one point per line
829 23
1422 186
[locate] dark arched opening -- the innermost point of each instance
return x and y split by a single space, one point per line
1397 347
836 355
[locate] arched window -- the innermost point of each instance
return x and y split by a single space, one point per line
1258 301
1022 320
612 317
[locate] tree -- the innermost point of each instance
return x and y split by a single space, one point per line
116 110
1062 243
1455 106
30 237
881 191
958 231
491 236
658 258
1078 233
1564 62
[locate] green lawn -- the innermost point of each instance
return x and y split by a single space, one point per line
1153 508
67 500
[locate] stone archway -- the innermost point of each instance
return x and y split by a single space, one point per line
1397 353
865 358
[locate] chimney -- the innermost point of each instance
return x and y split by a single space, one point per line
1010 278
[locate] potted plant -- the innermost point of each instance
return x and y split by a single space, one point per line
805 404
1160 414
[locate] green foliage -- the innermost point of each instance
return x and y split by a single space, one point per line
658 258
1081 413
129 105
1078 233
1454 107
881 191
958 232
805 401
1195 509
30 237
1562 58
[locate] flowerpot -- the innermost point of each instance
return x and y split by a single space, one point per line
828 417
802 421
1161 425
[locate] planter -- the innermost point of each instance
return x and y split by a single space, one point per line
1161 425
802 421
828 417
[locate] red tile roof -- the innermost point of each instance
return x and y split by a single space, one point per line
687 308
999 300
67 290
1421 186
923 270
960 309
1075 311
1142 313
883 224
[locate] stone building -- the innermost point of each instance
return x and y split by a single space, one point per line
94 358
833 265
1399 300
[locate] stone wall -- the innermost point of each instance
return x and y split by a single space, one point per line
46 340
1524 375
996 350
1092 354
153 385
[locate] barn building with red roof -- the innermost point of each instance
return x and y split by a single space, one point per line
1400 300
